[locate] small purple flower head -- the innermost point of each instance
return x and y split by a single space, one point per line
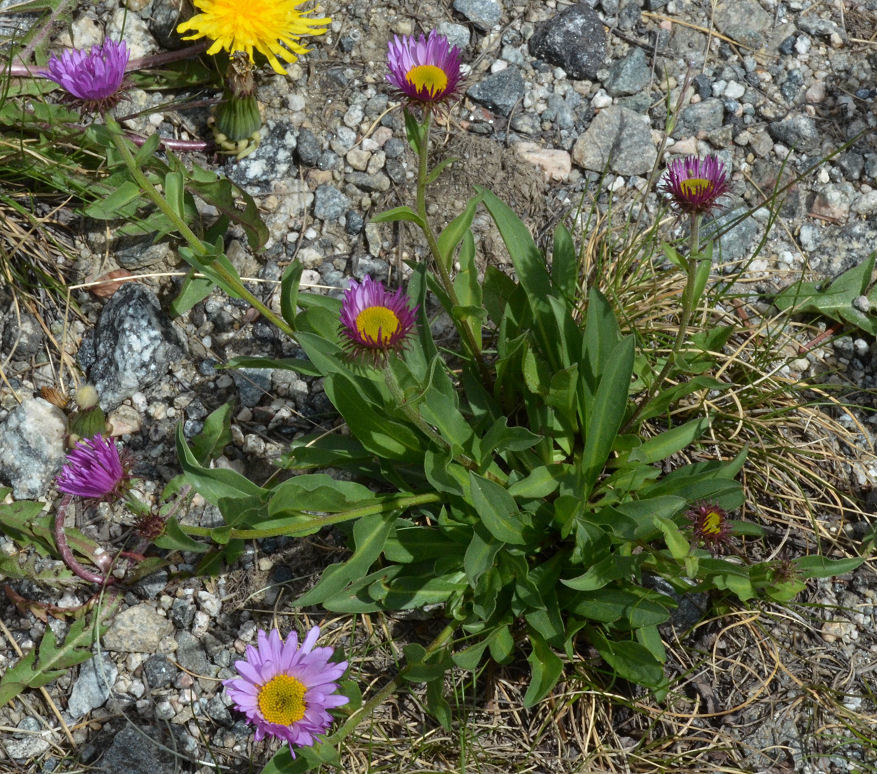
710 526
285 690
695 184
425 69
94 469
92 77
374 320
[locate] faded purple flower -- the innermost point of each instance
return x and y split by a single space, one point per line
94 470
709 524
374 320
93 77
695 184
285 690
424 69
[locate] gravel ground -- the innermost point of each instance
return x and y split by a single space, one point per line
776 87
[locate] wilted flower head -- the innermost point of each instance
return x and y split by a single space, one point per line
238 25
94 469
710 526
425 69
93 77
374 320
285 690
695 184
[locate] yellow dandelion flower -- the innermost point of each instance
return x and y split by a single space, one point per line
244 25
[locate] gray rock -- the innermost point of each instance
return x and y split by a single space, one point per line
743 20
132 347
457 34
137 629
253 384
629 74
329 202
32 447
394 147
163 18
93 686
158 671
191 655
500 91
620 137
132 751
23 746
797 131
308 148
22 336
705 116
378 182
182 613
141 255
820 27
629 15
851 164
272 160
484 14
735 244
574 40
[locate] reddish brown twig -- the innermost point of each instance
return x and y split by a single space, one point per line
803 349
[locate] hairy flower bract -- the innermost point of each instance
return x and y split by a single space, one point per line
694 184
373 319
272 27
94 77
710 526
94 470
285 690
424 69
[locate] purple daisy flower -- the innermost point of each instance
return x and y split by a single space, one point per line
373 319
695 184
93 77
425 69
285 690
709 524
94 469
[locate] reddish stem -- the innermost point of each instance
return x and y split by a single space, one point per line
67 554
827 333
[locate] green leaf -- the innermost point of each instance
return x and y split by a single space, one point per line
116 204
289 292
480 554
193 290
174 191
497 510
670 441
416 544
629 660
607 414
564 263
369 535
538 484
174 539
613 567
399 213
214 436
823 567
438 169
213 483
675 540
545 669
318 493
50 660
455 230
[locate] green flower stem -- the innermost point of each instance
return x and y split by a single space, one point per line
462 326
684 318
388 690
194 242
308 527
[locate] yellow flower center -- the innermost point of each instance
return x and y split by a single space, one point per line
694 186
377 322
712 523
428 77
282 700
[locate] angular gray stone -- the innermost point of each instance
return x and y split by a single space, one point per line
705 116
22 336
743 20
797 131
574 40
735 244
500 91
93 686
629 75
133 752
158 671
457 34
620 137
137 629
484 14
132 347
32 447
329 202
